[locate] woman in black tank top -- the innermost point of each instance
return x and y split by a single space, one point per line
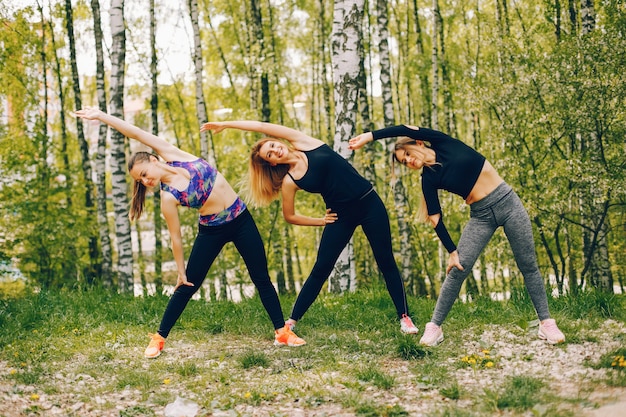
305 163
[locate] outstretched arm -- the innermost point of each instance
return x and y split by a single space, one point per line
359 141
166 150
298 139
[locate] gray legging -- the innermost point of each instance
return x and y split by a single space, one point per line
502 207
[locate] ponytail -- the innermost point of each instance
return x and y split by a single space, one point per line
139 190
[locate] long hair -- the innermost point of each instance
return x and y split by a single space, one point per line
264 180
401 144
139 190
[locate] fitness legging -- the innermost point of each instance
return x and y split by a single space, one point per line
369 212
242 231
502 207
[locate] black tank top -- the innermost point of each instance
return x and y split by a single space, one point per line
330 175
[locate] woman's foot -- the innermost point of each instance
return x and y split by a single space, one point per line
155 346
407 326
549 331
286 337
433 335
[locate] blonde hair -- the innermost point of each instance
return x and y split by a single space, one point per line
401 144
139 190
264 180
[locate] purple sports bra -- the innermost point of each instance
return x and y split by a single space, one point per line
201 181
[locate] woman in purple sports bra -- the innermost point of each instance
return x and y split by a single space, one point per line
187 180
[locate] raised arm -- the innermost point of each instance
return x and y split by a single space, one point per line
299 140
165 149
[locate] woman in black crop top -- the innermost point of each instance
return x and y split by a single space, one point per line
311 165
189 180
449 164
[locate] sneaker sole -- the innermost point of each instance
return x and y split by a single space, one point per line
152 357
552 342
416 331
439 340
279 344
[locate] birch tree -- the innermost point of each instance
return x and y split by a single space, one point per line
84 146
154 109
207 152
106 251
347 18
118 156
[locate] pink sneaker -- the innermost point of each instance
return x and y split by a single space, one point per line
407 326
549 331
433 335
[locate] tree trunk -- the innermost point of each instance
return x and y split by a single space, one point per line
596 206
92 272
260 60
118 158
106 268
407 253
206 152
347 18
154 108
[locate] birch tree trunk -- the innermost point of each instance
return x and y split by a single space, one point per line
154 108
92 273
407 253
434 98
118 157
259 57
347 17
207 152
106 267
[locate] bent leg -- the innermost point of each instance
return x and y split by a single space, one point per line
473 240
205 249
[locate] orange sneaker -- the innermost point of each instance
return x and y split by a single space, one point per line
155 346
286 337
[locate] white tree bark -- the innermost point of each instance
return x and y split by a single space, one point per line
118 157
347 18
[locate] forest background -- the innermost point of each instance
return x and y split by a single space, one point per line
538 87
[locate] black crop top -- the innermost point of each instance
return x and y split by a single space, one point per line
457 170
330 175
458 165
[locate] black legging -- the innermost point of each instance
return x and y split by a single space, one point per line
369 212
242 231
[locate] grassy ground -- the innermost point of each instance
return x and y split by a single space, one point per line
81 354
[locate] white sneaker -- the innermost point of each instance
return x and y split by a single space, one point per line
407 326
433 335
549 331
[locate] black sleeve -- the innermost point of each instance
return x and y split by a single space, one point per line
444 236
421 133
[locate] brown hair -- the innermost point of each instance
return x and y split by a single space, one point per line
401 144
139 190
265 180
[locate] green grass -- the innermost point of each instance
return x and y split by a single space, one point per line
58 349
